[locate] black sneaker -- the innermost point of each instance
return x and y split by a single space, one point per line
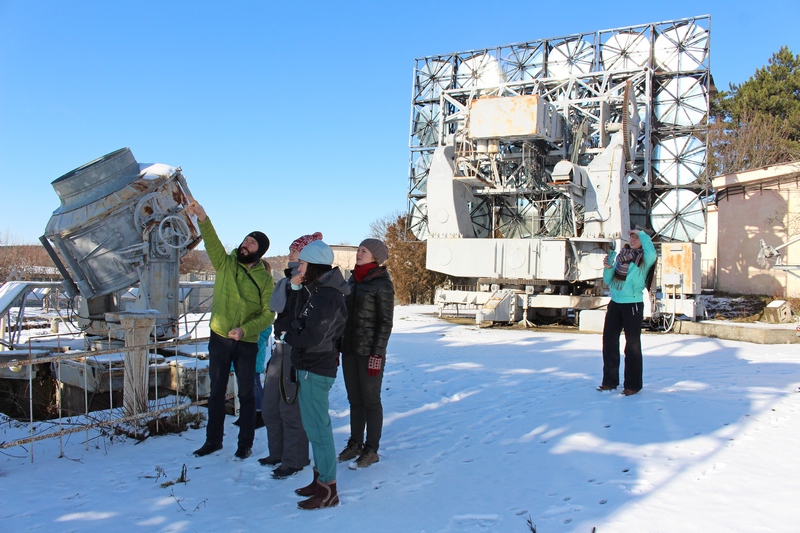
243 453
269 460
282 472
206 449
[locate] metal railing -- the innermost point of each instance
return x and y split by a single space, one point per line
175 384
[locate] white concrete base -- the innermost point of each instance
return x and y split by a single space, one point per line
591 320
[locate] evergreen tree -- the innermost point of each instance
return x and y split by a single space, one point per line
757 123
773 90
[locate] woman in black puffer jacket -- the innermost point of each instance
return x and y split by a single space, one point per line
370 311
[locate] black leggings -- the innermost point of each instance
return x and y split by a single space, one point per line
364 395
628 318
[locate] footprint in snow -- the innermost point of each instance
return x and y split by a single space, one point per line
463 522
717 468
420 487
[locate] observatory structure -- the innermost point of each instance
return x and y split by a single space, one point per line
530 161
117 238
121 224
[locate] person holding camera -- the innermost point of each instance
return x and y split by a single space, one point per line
313 336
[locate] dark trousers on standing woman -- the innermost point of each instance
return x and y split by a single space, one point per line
222 352
364 395
619 318
286 436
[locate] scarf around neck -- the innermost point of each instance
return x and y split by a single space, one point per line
361 271
625 257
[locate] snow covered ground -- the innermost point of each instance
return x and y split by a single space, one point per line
484 430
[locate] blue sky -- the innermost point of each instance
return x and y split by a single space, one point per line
288 117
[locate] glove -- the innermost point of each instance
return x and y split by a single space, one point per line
374 365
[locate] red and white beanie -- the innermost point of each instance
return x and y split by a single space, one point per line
299 243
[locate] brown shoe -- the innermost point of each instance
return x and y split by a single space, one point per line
368 456
311 488
351 451
605 387
325 496
628 392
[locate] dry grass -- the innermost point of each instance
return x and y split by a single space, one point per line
743 307
165 425
176 423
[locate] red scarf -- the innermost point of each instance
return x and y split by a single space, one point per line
361 271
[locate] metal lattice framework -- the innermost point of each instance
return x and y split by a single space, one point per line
584 77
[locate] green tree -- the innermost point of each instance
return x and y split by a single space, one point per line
757 123
774 90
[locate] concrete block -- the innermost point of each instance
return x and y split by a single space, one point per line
778 312
592 320
755 333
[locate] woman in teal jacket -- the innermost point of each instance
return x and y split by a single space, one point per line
626 273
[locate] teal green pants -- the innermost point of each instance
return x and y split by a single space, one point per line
314 390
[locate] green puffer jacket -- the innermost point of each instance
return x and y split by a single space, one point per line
237 303
631 290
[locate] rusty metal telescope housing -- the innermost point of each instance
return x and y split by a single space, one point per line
118 238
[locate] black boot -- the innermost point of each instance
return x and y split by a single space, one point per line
206 449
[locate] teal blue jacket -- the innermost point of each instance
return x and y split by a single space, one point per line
631 290
263 346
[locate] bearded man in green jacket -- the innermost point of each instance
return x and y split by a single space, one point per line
239 313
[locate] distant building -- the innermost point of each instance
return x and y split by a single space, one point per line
755 205
344 256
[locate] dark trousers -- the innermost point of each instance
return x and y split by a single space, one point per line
364 395
627 318
286 436
222 352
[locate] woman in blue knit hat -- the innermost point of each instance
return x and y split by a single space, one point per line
313 336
